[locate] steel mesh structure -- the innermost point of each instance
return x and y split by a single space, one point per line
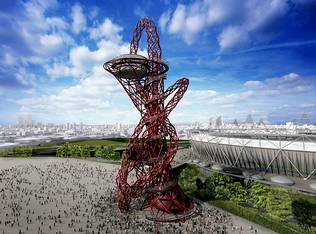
145 170
293 154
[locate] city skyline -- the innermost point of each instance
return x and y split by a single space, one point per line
252 58
304 119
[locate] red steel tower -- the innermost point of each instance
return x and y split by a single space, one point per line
145 170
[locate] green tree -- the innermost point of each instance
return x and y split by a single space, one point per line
84 151
75 150
22 151
304 212
276 201
101 152
64 150
188 177
279 203
237 192
216 186
258 194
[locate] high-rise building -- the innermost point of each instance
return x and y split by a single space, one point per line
249 119
219 121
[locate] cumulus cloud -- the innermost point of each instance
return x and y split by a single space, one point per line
258 18
178 18
34 37
163 20
79 21
189 20
197 97
185 24
30 37
200 94
60 70
82 60
90 96
107 30
51 41
233 36
57 23
25 78
241 22
291 83
232 98
253 84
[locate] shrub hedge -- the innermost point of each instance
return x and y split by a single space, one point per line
73 150
258 217
21 151
272 207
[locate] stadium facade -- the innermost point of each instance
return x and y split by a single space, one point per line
293 155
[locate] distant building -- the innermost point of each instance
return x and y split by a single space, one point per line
235 123
305 119
249 120
219 121
210 122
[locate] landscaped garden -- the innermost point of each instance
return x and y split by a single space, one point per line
273 207
101 148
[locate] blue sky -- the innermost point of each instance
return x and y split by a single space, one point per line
242 57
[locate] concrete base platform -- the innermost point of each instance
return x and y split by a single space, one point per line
282 180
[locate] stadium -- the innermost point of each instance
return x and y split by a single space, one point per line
286 156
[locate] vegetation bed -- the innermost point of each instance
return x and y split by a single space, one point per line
273 207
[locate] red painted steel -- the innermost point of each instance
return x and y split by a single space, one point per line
146 170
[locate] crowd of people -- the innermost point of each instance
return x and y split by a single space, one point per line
63 196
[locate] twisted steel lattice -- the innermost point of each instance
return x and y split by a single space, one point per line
154 142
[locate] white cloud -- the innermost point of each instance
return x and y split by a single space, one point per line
163 20
182 22
220 10
262 13
82 59
248 19
90 96
232 98
188 21
25 78
79 21
201 94
291 83
233 36
50 40
57 23
61 70
258 15
177 20
197 97
253 84
308 105
37 37
9 59
107 30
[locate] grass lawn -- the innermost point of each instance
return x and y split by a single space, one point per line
104 142
260 218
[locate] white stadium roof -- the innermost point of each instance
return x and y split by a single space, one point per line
258 143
